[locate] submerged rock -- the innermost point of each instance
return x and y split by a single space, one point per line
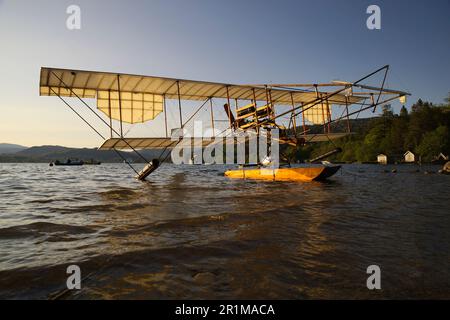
446 168
204 278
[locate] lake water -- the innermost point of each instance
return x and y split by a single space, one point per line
190 232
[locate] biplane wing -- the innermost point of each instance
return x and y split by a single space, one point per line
141 98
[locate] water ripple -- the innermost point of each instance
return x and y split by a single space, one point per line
192 233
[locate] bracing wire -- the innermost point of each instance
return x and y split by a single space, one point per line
98 116
95 130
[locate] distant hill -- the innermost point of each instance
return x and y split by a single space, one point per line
10 148
53 153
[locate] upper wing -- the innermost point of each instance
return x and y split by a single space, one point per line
88 83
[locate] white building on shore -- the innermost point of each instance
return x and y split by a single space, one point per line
382 159
409 157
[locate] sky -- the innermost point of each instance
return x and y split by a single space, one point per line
225 41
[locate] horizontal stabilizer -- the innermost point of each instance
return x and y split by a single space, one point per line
150 143
322 137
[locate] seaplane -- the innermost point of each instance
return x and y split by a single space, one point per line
284 113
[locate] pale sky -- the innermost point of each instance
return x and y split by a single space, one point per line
225 41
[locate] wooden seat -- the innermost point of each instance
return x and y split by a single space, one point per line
259 115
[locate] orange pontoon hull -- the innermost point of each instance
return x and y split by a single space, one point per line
285 174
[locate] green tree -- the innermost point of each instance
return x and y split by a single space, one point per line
424 129
423 118
433 143
403 112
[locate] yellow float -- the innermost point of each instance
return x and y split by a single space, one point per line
303 174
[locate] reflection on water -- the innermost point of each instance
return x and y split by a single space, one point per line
192 233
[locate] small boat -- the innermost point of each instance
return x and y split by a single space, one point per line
304 174
92 162
68 162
